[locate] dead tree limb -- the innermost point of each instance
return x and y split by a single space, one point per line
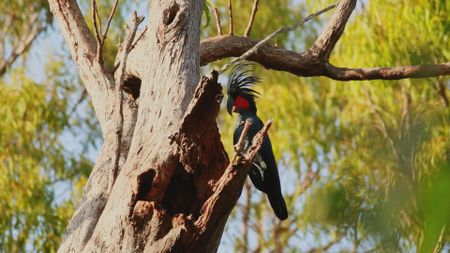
251 19
217 18
324 45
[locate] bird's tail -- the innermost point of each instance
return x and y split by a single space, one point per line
278 205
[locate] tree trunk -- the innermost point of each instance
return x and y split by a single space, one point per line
170 157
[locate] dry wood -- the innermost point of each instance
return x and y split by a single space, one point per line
328 38
217 18
230 18
252 18
273 35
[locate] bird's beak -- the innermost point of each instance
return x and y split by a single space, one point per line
230 103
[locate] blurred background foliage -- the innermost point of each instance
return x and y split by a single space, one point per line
365 166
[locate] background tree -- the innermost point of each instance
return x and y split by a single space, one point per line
327 134
44 110
36 168
349 146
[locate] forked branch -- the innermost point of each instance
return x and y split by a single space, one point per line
252 50
99 36
313 62
20 49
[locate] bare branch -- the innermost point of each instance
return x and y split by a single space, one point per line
272 35
232 179
83 47
327 246
141 35
387 73
111 15
300 64
252 18
82 97
217 18
230 18
100 38
327 40
97 31
19 50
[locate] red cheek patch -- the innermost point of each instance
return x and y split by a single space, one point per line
241 103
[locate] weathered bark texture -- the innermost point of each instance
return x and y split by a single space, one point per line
162 181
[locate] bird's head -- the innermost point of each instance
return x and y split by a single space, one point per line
241 97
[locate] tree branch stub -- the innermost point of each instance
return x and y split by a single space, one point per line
324 45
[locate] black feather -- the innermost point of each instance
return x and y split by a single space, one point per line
241 82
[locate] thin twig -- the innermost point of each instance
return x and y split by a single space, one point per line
82 97
19 50
97 31
272 35
230 18
252 18
217 17
139 37
327 246
141 34
120 79
111 15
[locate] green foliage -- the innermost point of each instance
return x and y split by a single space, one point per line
341 176
43 168
206 12
33 162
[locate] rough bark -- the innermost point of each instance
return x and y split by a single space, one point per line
172 188
171 154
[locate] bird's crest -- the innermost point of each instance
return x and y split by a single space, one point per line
241 81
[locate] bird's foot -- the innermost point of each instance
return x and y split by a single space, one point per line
238 150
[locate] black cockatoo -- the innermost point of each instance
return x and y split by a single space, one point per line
264 171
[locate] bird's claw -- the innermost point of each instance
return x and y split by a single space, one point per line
237 150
